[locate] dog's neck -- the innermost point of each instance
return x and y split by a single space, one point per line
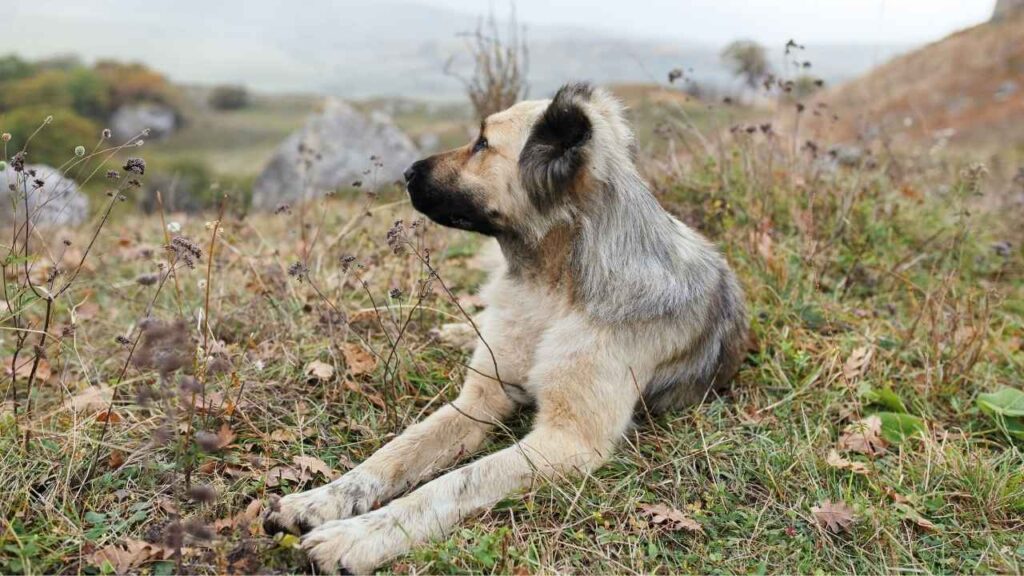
620 256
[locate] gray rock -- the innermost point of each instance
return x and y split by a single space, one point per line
59 202
333 150
130 120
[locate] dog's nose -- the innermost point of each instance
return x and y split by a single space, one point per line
409 173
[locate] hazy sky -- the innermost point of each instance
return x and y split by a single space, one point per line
769 21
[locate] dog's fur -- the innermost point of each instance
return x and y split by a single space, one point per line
605 306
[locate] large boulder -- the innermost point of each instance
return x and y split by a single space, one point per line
58 202
131 120
332 151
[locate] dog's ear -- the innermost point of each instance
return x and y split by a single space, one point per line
556 150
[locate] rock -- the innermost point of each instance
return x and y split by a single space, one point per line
130 120
332 151
59 202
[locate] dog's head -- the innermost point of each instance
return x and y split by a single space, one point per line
528 168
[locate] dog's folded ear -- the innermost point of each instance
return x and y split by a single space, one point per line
556 151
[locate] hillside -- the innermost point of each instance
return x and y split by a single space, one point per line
964 89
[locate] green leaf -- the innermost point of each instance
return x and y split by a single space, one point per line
95 518
1004 402
897 427
886 397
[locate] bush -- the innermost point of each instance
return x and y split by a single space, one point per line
48 87
229 97
134 83
55 143
14 68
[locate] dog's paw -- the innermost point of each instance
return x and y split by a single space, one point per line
298 513
354 546
460 335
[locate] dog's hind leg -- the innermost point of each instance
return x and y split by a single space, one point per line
585 402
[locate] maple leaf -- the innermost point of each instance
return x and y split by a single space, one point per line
357 359
864 436
834 516
319 370
661 514
836 461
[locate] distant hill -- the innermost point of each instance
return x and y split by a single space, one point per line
358 48
967 88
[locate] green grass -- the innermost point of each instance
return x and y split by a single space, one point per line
831 262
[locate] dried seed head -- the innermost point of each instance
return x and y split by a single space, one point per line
79 151
202 493
136 166
208 441
6 136
299 271
107 133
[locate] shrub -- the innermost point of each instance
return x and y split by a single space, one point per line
499 67
133 83
48 87
55 143
228 97
14 68
747 60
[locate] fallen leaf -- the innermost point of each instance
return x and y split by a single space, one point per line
357 359
857 363
834 516
24 368
358 388
314 465
108 415
319 370
864 436
278 474
116 459
126 557
907 512
836 461
92 399
661 514
282 435
225 435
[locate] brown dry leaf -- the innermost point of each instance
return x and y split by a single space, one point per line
857 363
86 311
319 370
282 435
24 368
836 461
116 459
225 436
373 397
661 514
834 516
110 415
247 516
864 436
357 359
92 399
126 557
278 474
314 465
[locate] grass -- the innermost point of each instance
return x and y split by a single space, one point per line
836 264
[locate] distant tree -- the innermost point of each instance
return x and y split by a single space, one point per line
14 68
747 60
134 83
229 97
80 89
499 66
56 142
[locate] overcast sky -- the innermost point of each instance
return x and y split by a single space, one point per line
768 21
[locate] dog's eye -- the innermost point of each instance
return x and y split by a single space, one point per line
480 144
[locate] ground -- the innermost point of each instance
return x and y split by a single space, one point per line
883 304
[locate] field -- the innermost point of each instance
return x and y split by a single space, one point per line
159 401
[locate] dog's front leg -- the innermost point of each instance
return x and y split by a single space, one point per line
419 452
584 406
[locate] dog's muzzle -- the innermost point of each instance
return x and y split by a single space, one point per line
442 204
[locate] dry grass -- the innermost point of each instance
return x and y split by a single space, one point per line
840 264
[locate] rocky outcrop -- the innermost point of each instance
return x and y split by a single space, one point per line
131 120
337 147
53 200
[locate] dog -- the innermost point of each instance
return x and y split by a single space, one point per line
604 308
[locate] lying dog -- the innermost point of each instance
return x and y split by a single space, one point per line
606 305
